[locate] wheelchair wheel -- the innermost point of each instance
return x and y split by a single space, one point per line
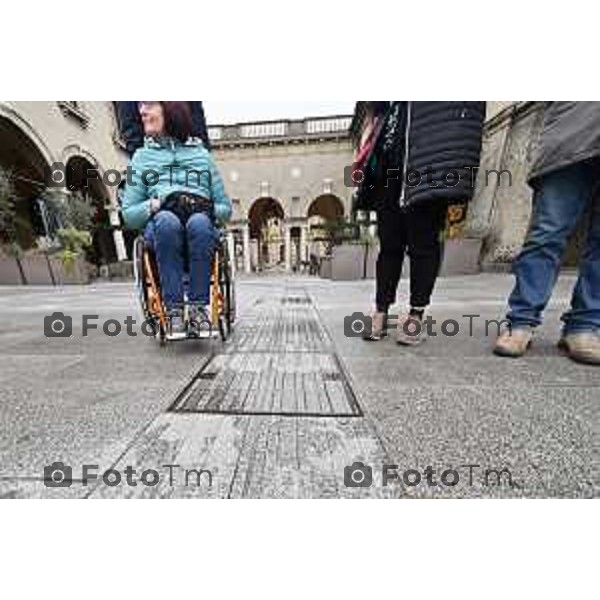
141 293
148 290
222 296
225 318
228 290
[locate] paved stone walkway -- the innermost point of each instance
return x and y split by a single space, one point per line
289 402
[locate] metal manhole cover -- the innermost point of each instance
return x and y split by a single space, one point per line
310 384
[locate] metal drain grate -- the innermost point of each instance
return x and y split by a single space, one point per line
280 362
308 384
296 300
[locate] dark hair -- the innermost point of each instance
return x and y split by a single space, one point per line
378 107
178 120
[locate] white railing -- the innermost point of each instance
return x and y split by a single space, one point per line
328 125
256 130
215 133
295 128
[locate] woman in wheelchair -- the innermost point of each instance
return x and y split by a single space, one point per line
175 194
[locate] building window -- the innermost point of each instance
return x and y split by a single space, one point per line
75 110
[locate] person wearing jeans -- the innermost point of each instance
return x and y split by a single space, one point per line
169 237
174 164
565 188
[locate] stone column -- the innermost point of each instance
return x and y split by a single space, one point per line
303 243
246 238
120 249
288 247
231 250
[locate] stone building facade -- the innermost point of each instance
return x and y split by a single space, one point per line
286 179
501 208
35 136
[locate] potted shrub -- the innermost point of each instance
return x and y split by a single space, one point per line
11 270
75 212
346 248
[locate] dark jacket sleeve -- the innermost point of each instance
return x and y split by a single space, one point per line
570 134
130 125
199 123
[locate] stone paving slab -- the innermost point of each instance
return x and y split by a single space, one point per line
251 457
449 402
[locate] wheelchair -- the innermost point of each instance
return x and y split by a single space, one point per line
221 310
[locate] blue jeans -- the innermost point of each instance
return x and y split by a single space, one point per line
170 240
558 207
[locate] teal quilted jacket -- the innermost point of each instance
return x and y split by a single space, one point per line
164 166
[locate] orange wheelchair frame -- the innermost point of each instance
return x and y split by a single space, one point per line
222 291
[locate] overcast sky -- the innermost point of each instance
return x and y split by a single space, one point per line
235 112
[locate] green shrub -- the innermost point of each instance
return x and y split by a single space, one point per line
73 244
8 208
77 213
75 210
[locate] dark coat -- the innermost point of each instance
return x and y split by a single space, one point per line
132 130
427 151
570 134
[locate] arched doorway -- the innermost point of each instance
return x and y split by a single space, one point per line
324 213
84 177
25 166
265 219
327 206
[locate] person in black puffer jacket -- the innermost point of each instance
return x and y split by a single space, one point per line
424 159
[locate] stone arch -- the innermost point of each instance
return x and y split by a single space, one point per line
79 152
266 224
327 206
8 113
27 159
78 169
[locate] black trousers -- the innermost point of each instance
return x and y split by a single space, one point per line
416 231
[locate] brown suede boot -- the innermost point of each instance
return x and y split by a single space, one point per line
582 347
514 343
